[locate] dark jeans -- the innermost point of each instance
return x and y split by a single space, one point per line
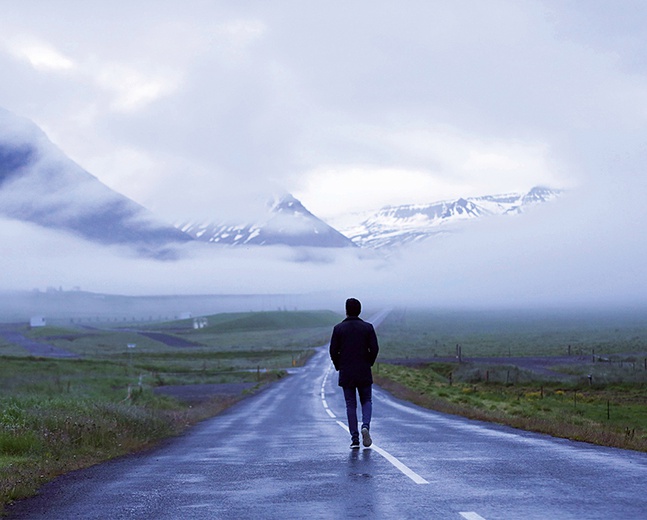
350 394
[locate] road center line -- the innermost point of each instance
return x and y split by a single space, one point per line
393 460
471 516
402 467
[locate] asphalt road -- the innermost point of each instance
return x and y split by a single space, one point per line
284 454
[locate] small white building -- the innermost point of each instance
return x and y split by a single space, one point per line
37 321
200 323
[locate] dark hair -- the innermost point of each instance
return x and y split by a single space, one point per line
353 307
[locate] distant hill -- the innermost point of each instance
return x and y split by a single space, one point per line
80 308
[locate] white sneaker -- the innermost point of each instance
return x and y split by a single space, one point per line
366 437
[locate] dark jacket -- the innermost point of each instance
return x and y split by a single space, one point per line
353 350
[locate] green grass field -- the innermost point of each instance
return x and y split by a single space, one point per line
417 333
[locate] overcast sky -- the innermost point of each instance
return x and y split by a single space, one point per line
186 106
204 108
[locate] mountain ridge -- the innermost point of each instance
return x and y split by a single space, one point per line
394 226
41 185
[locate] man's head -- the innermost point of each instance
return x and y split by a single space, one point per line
353 307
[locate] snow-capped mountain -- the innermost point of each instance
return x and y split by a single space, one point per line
41 185
397 225
287 222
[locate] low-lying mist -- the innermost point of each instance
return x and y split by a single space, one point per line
573 252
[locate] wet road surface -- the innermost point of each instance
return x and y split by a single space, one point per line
284 454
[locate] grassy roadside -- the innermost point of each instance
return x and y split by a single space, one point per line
79 413
609 415
59 415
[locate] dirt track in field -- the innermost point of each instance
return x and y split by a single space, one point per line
540 365
203 392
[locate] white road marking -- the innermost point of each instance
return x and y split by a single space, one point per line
393 460
402 467
471 516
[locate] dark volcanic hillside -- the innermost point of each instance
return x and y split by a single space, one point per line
39 184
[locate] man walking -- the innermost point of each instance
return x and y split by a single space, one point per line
353 350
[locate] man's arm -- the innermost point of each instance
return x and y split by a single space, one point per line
334 348
373 347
